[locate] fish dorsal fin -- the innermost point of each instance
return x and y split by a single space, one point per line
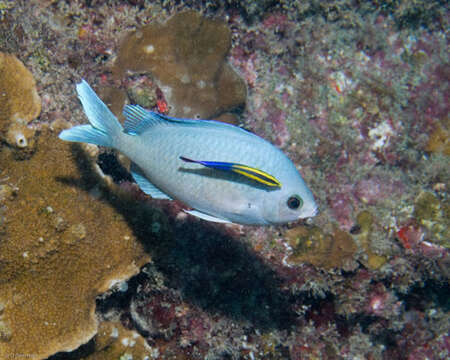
145 185
207 217
138 120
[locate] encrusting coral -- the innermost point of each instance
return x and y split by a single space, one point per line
186 56
114 341
313 246
60 249
19 102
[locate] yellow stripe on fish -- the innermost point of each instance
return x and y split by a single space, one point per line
256 174
247 171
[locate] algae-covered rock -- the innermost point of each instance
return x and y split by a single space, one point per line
365 221
186 56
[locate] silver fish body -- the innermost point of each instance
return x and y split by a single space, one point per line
155 144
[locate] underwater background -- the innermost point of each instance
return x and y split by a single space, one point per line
356 93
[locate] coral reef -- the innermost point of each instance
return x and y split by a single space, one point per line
60 248
186 56
356 96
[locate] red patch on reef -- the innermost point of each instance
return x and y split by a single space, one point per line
410 235
162 106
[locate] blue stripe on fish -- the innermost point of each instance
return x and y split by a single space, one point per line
247 171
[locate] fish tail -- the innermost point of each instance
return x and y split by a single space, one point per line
104 128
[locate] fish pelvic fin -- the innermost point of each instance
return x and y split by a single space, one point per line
104 126
244 170
145 185
207 217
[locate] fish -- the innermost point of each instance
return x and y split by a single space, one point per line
223 172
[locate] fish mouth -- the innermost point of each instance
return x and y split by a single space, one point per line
313 212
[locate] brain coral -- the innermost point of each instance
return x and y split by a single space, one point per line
186 56
60 248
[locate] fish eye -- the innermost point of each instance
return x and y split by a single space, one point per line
294 202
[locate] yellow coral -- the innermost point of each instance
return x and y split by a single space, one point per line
61 249
19 100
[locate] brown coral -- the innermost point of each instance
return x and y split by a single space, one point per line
19 100
113 341
60 249
313 246
19 104
186 55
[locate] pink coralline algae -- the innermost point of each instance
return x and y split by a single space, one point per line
340 205
278 120
374 189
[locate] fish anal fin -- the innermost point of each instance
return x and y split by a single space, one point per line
145 185
207 217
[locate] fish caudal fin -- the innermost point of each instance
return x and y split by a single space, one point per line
104 126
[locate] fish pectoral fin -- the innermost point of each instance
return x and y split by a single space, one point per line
206 217
145 185
244 170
